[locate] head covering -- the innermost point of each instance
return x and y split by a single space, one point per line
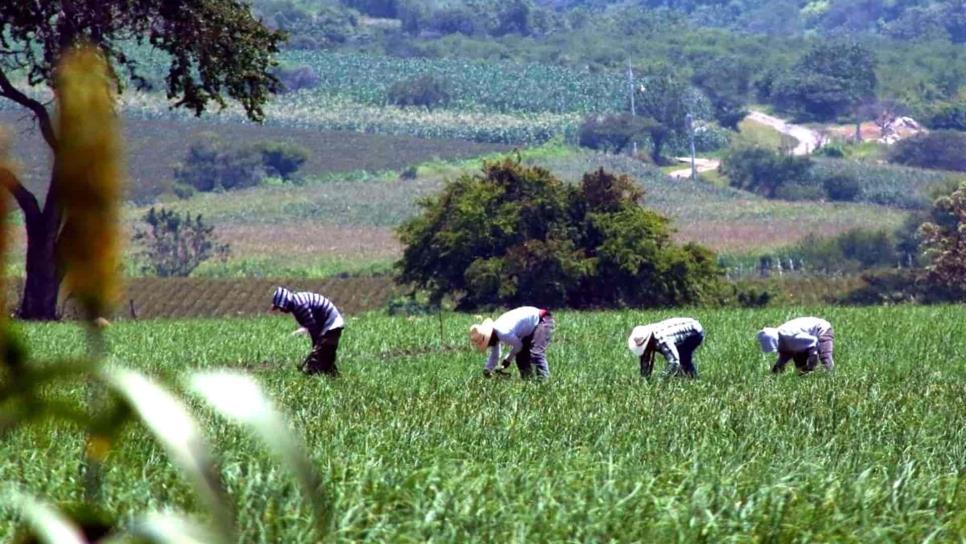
639 339
481 333
282 299
768 339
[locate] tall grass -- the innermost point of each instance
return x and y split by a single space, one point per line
416 445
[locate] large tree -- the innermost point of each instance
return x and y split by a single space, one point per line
215 50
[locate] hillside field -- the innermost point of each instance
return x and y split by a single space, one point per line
415 445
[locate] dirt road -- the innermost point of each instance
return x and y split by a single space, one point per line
808 141
700 164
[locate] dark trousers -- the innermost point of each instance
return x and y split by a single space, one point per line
686 348
806 361
686 351
322 358
534 352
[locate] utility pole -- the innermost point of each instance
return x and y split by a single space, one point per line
689 125
630 88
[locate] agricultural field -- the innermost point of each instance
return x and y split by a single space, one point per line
154 147
301 229
413 444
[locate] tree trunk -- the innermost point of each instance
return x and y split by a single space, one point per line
42 284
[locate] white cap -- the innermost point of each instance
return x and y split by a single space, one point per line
639 339
768 339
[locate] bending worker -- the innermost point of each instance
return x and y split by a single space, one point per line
526 330
676 338
806 340
321 320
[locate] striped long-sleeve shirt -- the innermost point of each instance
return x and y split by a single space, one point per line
669 333
314 312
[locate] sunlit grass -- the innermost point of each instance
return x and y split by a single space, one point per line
415 444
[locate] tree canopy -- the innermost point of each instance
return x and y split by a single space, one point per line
515 234
215 51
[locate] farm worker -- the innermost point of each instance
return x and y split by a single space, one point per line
526 330
321 320
806 340
675 338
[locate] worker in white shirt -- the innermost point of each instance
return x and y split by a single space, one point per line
805 340
526 330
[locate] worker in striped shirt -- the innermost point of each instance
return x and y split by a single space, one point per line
805 340
321 320
676 338
526 330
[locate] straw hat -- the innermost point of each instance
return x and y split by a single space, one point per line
768 339
639 339
481 333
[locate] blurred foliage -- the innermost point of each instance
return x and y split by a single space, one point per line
944 241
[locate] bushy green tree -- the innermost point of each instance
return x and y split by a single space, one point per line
727 82
662 100
764 171
831 79
282 159
516 234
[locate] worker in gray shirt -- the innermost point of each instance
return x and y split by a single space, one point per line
805 340
526 330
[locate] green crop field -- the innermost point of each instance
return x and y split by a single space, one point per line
415 445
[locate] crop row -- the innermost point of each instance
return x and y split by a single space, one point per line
152 298
473 84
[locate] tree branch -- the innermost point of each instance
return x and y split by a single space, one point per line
7 90
27 201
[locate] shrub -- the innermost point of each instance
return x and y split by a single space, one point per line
842 188
764 171
297 78
942 149
851 251
516 234
833 150
426 91
174 245
281 158
211 166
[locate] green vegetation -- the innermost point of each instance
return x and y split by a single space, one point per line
941 149
873 452
518 235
